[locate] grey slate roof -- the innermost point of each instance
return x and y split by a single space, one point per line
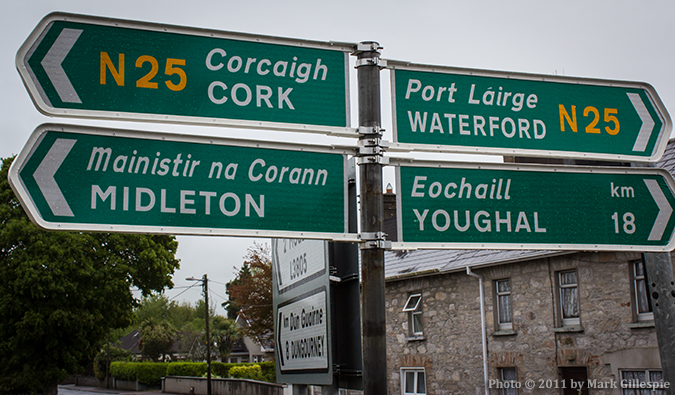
667 161
403 264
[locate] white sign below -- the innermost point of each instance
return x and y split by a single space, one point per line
302 334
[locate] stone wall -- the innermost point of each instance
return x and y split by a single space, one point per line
451 350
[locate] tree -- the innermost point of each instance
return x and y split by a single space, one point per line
231 306
224 332
157 339
61 292
157 314
251 291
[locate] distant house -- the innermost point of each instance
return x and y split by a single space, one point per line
247 349
132 342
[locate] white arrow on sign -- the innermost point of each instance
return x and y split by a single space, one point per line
44 177
52 65
665 210
647 123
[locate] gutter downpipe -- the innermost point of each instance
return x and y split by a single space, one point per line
482 326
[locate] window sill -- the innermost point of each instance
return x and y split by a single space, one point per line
416 338
569 329
641 324
505 332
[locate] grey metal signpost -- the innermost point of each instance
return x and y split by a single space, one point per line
372 249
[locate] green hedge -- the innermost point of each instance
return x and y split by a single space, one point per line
269 371
187 369
151 373
148 373
123 370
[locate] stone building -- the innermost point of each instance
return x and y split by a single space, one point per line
548 316
552 320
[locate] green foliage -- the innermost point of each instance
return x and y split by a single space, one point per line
61 293
148 373
269 371
116 354
157 339
251 372
123 370
188 320
151 373
195 369
221 369
224 332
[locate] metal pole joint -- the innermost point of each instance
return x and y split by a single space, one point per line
366 131
380 63
367 46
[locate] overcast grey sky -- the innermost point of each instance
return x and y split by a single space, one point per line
617 39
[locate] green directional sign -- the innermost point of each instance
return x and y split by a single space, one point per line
77 178
501 206
81 66
489 112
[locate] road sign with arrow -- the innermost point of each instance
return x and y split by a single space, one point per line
79 178
82 66
489 112
501 206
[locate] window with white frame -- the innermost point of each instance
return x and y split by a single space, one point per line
641 299
509 381
569 297
503 304
642 382
413 306
413 381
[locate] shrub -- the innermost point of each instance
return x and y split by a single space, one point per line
149 373
252 372
123 370
187 369
221 369
269 371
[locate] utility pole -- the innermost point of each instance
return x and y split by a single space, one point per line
659 270
371 161
107 362
205 284
205 288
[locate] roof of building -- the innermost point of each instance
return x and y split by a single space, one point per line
415 263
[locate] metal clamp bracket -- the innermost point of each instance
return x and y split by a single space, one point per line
368 130
381 63
368 46
371 150
366 236
373 142
374 240
372 159
384 244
